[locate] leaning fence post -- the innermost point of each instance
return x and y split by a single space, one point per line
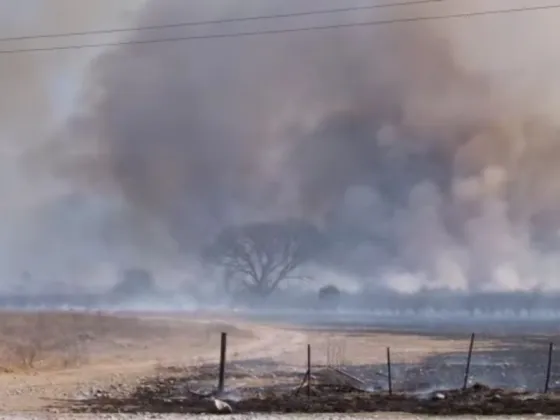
223 347
389 376
468 366
309 370
548 367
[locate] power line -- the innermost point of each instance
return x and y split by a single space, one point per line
222 21
288 30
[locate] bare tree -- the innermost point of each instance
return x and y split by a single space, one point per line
260 256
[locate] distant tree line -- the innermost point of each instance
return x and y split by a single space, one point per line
472 303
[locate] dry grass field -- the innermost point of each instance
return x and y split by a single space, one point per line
49 358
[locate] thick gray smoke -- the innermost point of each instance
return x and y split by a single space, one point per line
430 150
41 230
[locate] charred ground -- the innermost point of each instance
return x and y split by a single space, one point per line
172 395
507 377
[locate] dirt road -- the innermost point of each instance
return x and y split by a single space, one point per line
119 360
121 351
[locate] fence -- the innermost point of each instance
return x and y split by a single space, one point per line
398 363
426 364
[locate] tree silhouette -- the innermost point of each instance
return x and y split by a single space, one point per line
260 256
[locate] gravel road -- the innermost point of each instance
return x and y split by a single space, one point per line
389 416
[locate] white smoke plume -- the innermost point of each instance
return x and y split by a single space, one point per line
429 150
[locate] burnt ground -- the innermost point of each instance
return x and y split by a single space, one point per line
506 378
161 396
261 386
518 363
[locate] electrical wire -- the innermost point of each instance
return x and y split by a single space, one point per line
287 30
227 20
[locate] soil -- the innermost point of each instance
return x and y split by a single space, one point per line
160 396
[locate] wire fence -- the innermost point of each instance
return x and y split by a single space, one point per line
400 364
524 363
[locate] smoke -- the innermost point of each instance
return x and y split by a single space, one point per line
37 233
429 151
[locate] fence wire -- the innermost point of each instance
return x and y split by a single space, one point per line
419 364
424 365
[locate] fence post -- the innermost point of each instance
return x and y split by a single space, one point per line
223 347
389 376
548 367
309 370
468 367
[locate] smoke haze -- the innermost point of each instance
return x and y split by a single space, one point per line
37 233
428 151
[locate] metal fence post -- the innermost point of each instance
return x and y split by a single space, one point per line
223 348
309 370
468 366
548 367
389 376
